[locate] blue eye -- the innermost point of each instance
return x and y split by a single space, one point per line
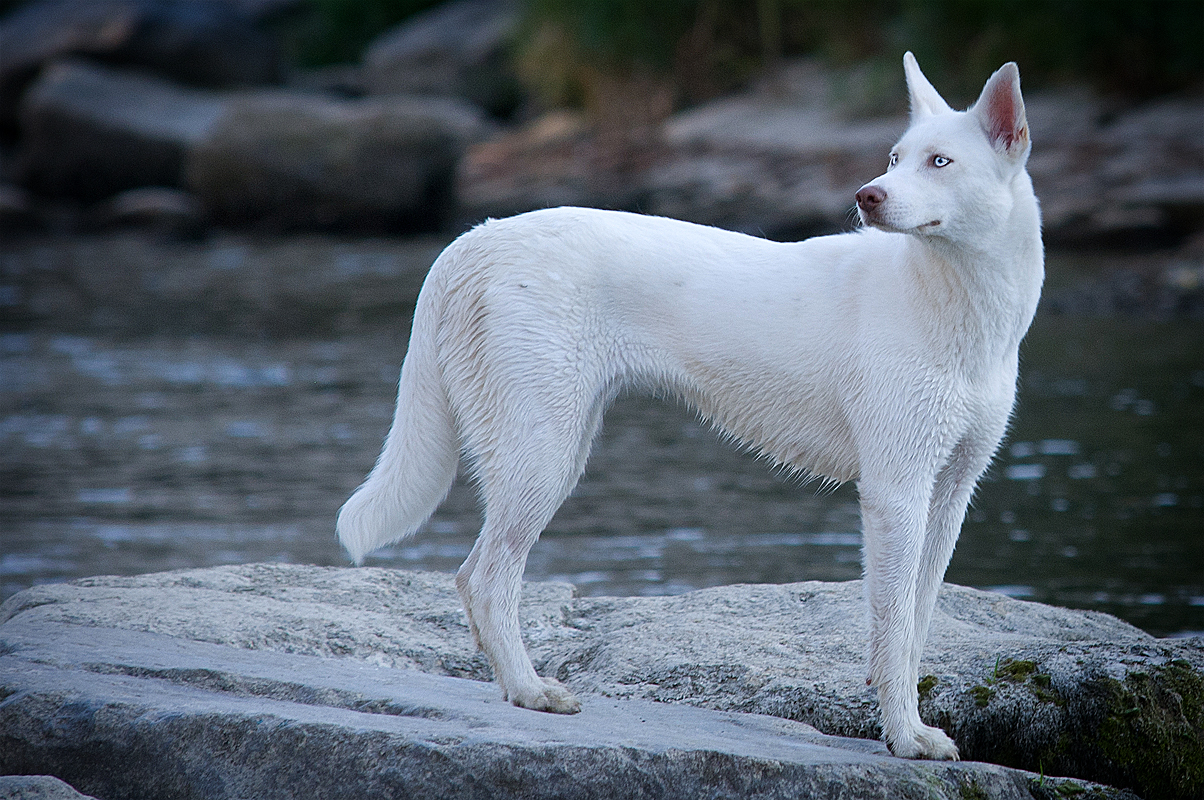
941 161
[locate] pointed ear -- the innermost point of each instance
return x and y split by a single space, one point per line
1000 110
925 101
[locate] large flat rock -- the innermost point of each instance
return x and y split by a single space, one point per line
128 713
228 681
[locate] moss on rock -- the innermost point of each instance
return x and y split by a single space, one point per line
982 695
1154 730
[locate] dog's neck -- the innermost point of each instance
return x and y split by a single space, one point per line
987 290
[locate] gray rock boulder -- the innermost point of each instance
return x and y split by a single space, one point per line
782 160
750 163
1115 175
90 131
456 49
1022 684
272 157
554 161
291 160
210 43
278 681
37 787
789 169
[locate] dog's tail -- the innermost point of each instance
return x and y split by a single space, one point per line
418 462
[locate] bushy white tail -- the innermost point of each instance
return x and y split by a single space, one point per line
421 453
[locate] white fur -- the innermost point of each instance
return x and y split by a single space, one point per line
887 356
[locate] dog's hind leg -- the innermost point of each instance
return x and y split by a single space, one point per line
490 585
523 483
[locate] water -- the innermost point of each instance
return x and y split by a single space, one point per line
124 454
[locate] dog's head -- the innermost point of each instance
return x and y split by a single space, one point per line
953 173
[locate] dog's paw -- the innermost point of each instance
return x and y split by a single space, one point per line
550 695
926 742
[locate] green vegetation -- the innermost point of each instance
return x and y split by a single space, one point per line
1020 673
972 791
982 695
337 31
1140 47
698 48
1014 671
1131 46
1154 730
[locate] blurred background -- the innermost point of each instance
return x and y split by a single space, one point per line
215 218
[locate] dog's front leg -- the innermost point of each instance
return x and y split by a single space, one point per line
894 517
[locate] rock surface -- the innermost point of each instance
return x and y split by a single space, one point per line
91 131
37 787
155 716
456 49
1059 691
271 157
208 43
292 160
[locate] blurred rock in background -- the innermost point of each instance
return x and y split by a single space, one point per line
202 43
414 115
458 49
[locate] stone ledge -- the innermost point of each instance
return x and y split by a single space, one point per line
225 682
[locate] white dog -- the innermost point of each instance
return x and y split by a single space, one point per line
887 356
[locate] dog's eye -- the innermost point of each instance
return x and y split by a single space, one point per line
941 161
894 159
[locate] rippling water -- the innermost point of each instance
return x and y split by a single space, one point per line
142 453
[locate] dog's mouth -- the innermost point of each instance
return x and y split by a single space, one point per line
875 221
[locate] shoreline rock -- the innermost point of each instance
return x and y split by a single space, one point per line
37 787
458 49
297 161
153 715
1016 683
91 132
210 44
786 166
281 158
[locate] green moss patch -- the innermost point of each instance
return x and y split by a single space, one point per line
972 791
1154 730
982 695
1014 671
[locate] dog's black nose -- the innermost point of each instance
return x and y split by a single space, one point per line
870 197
